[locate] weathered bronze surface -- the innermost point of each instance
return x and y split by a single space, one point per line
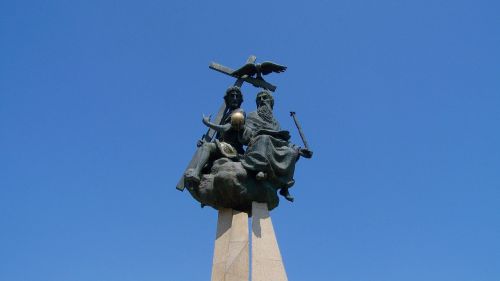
244 157
210 134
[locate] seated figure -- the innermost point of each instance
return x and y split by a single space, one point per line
270 155
227 142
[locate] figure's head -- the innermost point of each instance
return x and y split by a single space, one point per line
233 97
264 97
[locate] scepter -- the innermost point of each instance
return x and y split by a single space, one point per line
301 133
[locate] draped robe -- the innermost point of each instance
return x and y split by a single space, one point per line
269 150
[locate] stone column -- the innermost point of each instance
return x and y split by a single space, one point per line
230 262
224 222
267 264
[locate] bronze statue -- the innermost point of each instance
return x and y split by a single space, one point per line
225 174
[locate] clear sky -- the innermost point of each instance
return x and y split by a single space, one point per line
101 105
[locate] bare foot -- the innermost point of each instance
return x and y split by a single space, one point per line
286 194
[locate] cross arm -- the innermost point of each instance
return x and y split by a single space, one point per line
251 80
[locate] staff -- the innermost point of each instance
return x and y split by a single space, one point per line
301 133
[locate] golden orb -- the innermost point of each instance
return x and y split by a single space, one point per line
237 119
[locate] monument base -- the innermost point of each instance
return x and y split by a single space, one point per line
231 251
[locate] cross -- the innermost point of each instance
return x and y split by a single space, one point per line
210 134
256 82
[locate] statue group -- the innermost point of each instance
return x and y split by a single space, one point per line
250 158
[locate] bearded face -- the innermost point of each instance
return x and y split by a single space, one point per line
265 107
264 98
233 99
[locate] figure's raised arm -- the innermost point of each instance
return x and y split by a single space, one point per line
217 128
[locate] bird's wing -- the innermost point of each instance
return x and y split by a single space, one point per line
268 67
248 69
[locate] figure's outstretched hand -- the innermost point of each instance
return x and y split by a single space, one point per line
306 153
218 128
206 120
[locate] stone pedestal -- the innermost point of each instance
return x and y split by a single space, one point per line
231 253
267 264
230 262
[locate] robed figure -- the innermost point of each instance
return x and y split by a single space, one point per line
236 179
270 154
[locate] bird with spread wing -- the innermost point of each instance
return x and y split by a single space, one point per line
259 69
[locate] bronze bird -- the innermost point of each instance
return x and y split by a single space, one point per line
251 69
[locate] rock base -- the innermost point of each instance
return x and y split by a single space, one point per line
229 185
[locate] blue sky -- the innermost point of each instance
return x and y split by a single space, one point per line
101 105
